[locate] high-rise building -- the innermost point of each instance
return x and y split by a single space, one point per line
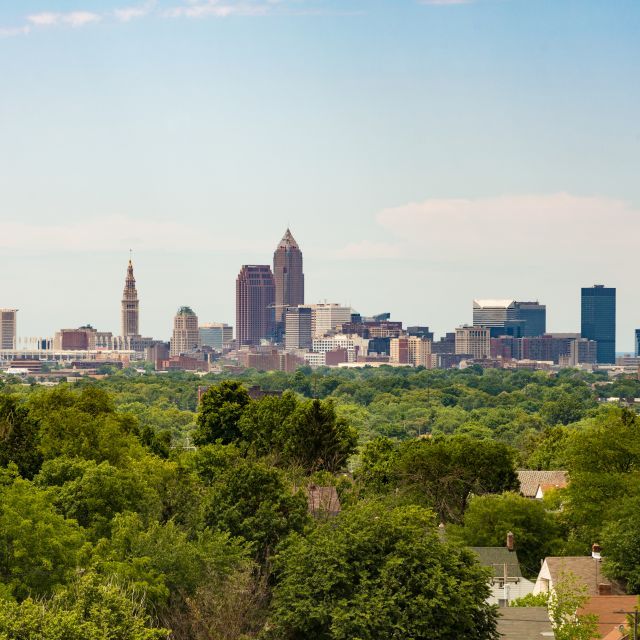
510 317
297 334
255 302
130 311
534 316
599 320
185 332
474 341
215 335
638 343
8 328
288 276
412 350
326 316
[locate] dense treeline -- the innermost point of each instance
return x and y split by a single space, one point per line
128 512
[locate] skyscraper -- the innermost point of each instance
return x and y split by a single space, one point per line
638 342
255 301
8 323
510 317
186 336
215 335
297 333
288 276
130 311
599 320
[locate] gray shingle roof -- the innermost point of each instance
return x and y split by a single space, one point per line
524 623
496 558
531 479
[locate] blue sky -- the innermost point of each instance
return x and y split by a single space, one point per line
423 153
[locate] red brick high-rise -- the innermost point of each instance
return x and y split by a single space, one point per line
288 275
255 299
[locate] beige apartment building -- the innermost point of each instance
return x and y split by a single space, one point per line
474 341
410 350
186 336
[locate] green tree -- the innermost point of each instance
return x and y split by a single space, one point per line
264 423
317 439
567 597
38 547
378 573
163 562
253 501
488 519
221 408
444 472
620 542
19 435
92 494
90 608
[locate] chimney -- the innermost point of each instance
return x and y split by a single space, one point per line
511 541
604 589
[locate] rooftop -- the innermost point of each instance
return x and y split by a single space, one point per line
587 571
531 479
524 623
500 559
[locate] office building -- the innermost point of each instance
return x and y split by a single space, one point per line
474 341
510 317
8 328
81 339
637 342
129 317
216 335
185 336
297 333
598 305
326 316
534 316
255 301
288 276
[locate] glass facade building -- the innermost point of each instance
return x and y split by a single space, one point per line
598 306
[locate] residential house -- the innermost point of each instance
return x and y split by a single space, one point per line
531 481
524 623
507 581
608 608
586 570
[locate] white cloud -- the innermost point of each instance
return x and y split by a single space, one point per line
522 228
126 14
73 18
218 9
10 32
113 233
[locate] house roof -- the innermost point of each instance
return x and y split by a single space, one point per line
531 479
323 501
585 571
496 558
524 623
606 608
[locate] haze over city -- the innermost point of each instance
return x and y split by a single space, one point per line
423 153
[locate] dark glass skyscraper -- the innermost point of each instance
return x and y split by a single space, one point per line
255 297
288 275
638 342
599 320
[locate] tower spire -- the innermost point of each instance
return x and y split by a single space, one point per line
130 305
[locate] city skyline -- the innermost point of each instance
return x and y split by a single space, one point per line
484 149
